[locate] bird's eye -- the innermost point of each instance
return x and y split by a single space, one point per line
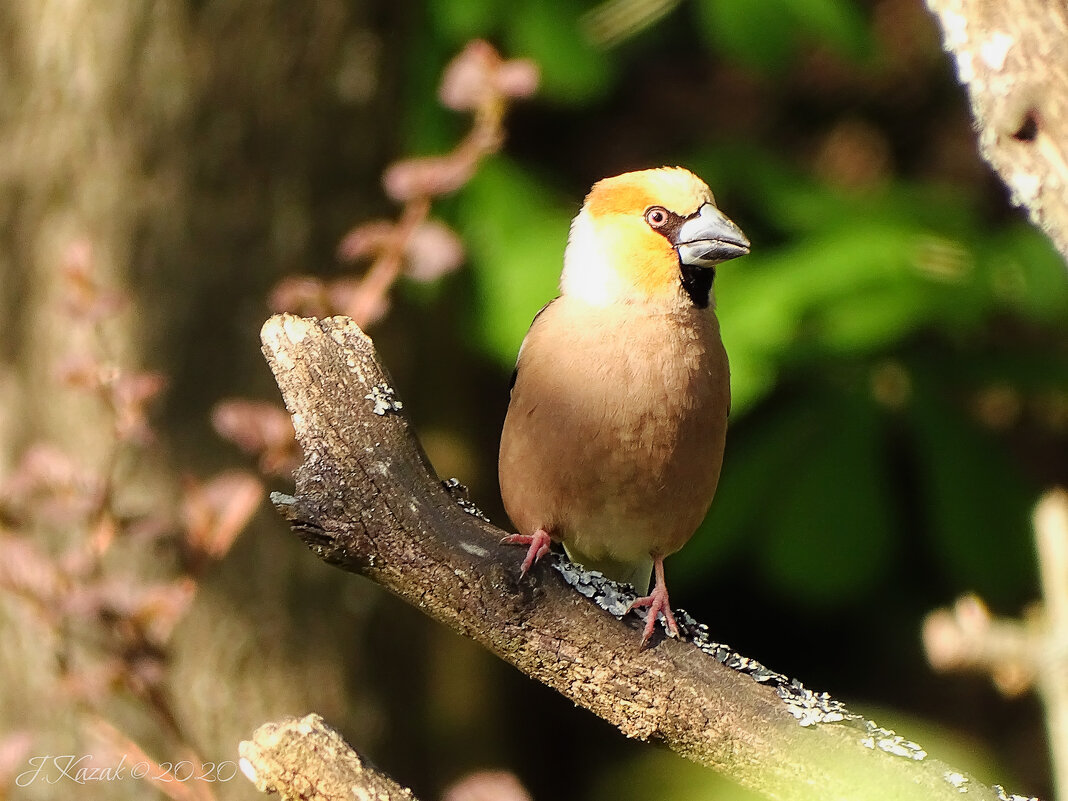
656 216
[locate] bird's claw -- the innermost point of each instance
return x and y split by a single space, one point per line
539 543
657 602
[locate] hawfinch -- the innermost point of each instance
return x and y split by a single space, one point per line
614 435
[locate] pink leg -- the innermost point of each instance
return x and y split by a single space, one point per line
539 543
657 601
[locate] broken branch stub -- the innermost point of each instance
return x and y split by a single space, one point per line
366 500
303 759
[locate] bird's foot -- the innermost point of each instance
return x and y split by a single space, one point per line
657 602
539 543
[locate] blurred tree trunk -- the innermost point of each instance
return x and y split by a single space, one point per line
199 150
1012 59
190 152
90 157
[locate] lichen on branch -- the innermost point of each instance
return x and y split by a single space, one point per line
367 501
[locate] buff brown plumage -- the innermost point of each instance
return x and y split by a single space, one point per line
615 430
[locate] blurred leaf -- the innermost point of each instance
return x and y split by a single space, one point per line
572 68
459 22
758 33
830 522
838 23
807 488
486 785
549 31
754 373
1026 273
660 774
765 34
977 501
878 318
756 459
849 290
863 272
216 511
516 236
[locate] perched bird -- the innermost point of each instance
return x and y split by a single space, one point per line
614 436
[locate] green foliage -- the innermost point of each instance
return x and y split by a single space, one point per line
856 281
829 535
861 274
660 774
978 503
549 31
873 317
573 70
458 22
900 276
516 231
766 34
830 531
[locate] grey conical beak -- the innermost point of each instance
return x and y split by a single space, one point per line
708 238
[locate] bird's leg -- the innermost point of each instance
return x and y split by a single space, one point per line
657 601
539 543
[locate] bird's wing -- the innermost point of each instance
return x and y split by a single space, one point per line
515 372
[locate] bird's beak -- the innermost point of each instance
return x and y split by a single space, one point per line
707 238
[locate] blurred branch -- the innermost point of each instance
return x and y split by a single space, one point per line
486 785
367 501
14 748
614 21
477 81
1020 654
304 759
1012 57
161 776
73 535
1051 539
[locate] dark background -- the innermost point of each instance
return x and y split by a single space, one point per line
897 339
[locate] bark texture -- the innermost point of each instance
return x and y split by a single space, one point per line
1012 57
367 501
306 760
189 153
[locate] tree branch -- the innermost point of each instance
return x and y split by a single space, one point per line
1012 57
1023 653
367 501
306 760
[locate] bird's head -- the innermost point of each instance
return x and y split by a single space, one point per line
648 236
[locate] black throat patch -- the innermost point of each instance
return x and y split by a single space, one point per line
697 281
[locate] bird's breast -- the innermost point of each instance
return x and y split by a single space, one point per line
614 435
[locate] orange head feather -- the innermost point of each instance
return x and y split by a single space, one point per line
613 253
